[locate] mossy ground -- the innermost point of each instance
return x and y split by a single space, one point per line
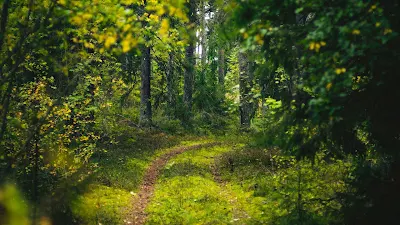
230 183
106 197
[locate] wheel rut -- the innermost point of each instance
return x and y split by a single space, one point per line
239 214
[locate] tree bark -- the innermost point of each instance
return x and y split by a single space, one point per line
246 107
3 22
171 85
190 60
145 101
221 66
203 33
145 75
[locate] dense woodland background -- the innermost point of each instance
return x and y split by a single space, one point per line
309 86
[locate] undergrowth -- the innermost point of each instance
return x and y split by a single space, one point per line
282 190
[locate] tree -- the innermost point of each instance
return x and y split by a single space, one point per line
145 88
221 66
190 59
342 88
246 77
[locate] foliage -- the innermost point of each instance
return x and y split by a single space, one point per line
316 80
292 192
12 206
340 57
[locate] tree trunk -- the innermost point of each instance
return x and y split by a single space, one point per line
145 103
190 60
171 86
3 22
246 107
221 66
203 34
145 88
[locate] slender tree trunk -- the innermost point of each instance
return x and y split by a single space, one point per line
4 111
145 102
190 60
246 107
203 34
171 85
3 22
145 88
221 66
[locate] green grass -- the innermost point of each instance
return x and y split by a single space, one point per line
258 186
267 186
189 200
108 195
101 205
187 193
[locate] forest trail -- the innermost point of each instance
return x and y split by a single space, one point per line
137 215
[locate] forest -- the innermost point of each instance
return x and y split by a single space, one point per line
277 112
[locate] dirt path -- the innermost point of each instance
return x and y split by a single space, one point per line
137 216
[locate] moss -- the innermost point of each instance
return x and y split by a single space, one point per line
188 194
189 200
121 172
101 204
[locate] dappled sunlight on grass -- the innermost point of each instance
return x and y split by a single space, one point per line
202 157
101 204
187 192
189 200
120 173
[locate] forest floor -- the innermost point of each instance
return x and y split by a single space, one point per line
140 202
200 181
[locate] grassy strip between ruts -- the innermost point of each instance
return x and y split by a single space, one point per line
187 192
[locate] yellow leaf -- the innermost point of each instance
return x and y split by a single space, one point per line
89 45
164 28
160 11
87 16
77 20
312 46
259 39
387 31
317 47
328 86
154 17
110 41
126 27
377 24
62 2
340 70
373 7
128 43
126 46
356 32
